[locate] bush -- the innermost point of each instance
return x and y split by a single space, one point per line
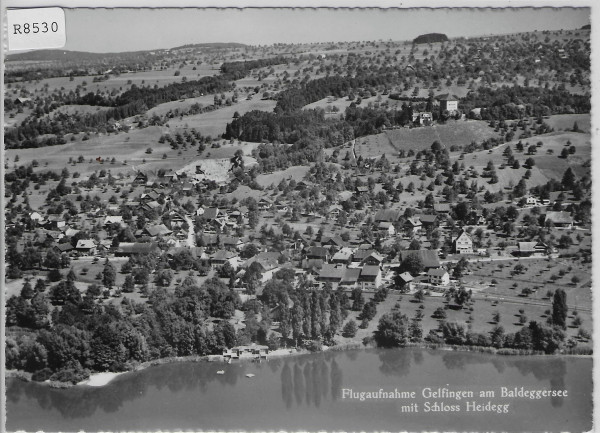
41 375
314 346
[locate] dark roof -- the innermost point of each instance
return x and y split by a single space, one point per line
211 213
429 258
391 215
351 275
317 252
428 219
331 271
446 97
370 271
438 272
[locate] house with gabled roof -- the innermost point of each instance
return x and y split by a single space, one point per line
157 230
318 253
560 219
331 273
370 277
462 244
438 277
387 215
86 246
350 277
429 258
529 249
343 256
386 229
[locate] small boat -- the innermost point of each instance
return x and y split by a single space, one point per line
229 361
250 375
221 372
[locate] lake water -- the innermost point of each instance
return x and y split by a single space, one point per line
306 392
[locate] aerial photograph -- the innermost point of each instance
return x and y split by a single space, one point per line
316 219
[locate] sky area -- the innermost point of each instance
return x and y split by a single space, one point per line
117 30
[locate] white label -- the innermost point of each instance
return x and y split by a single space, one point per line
37 28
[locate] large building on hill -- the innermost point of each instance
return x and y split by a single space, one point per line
448 102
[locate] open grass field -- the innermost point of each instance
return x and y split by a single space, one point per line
564 122
213 123
120 82
129 146
297 173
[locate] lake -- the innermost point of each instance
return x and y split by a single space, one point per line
307 392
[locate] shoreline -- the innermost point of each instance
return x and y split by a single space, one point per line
99 379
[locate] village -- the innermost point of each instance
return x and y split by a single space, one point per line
251 210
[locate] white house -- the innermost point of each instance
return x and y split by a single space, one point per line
438 276
462 244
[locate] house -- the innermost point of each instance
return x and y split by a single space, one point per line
373 259
429 258
211 213
140 179
265 204
86 246
128 249
331 273
413 225
370 277
55 222
157 230
439 277
334 211
350 278
63 248
529 249
422 118
405 280
462 244
312 265
332 242
36 217
232 242
531 201
252 350
361 254
109 220
343 256
222 256
361 190
387 215
428 221
386 229
318 253
442 208
560 219
447 102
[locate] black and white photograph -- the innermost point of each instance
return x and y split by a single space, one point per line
299 219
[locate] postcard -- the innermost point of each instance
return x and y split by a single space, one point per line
298 218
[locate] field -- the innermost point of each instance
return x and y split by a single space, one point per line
214 122
454 133
297 173
564 122
547 166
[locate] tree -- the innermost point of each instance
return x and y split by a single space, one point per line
568 179
27 291
392 330
559 309
412 264
350 329
109 274
358 299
